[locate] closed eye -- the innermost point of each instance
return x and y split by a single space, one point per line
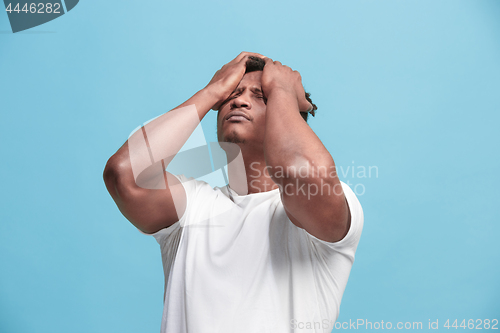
239 93
232 97
263 98
228 99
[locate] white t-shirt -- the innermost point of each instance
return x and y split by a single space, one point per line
244 267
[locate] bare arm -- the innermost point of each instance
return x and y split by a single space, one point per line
147 195
312 196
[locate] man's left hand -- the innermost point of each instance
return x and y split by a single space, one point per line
278 76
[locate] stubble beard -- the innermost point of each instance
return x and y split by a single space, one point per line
233 137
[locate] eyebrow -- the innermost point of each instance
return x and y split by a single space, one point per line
253 89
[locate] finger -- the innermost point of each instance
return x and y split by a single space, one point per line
244 60
238 58
246 54
306 107
268 61
255 54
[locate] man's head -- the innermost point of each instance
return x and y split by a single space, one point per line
241 118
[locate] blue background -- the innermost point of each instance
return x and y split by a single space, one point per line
410 87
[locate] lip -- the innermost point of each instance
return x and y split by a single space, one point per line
238 116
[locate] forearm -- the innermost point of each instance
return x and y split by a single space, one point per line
162 138
291 144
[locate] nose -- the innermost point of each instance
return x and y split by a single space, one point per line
242 101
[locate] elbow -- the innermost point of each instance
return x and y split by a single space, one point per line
109 171
110 175
118 177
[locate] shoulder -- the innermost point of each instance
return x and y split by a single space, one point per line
196 196
349 243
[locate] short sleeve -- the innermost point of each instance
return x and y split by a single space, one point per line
349 243
190 186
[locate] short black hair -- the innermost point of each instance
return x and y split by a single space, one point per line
254 64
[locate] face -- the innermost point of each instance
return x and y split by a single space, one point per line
241 119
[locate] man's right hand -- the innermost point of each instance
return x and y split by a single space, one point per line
226 79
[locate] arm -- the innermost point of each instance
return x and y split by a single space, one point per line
147 195
312 196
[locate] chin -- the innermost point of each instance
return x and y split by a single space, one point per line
233 137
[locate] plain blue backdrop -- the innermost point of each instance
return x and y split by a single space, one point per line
410 88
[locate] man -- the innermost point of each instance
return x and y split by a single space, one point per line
272 250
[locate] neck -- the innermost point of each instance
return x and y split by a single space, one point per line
247 170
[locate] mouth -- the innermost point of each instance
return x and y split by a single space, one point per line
237 116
